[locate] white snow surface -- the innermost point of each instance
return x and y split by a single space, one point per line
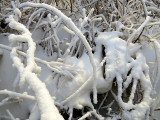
119 58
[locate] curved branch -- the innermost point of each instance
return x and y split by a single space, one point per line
69 22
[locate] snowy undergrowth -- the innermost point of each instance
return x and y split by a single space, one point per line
97 57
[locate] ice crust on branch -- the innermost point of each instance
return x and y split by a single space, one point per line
45 103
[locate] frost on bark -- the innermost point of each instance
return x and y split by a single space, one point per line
95 58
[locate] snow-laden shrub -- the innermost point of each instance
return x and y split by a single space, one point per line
97 66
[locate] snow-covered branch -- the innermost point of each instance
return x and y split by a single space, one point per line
44 100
